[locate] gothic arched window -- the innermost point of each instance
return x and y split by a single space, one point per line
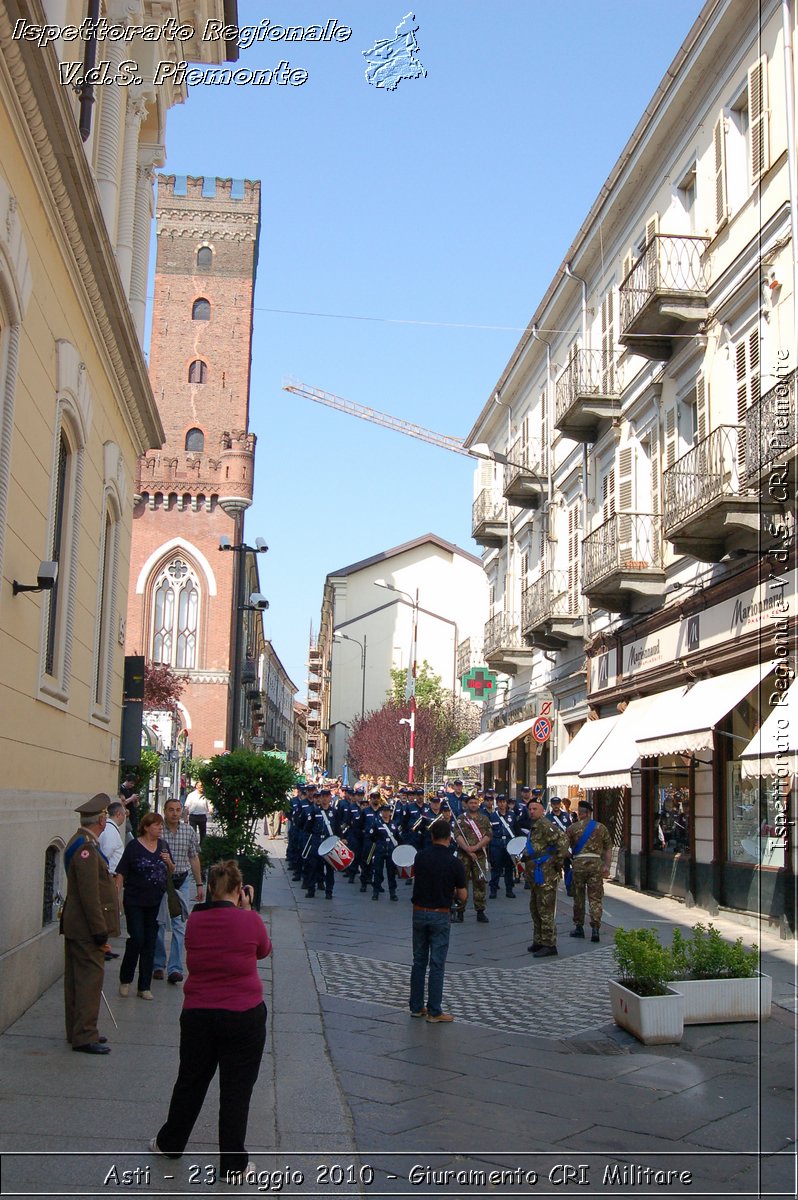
204 258
195 440
201 310
197 371
175 615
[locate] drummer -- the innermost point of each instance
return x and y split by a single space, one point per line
323 823
370 817
384 839
435 807
503 830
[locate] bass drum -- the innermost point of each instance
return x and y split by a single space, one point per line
403 859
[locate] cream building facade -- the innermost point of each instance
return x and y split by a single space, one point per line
640 550
366 631
76 409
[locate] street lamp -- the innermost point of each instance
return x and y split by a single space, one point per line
257 604
344 637
410 690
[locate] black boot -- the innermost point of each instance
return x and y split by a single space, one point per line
578 931
482 916
594 936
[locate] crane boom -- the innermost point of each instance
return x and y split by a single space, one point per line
375 417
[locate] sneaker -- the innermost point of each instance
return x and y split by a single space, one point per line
483 918
545 951
154 1148
175 977
145 995
158 973
124 989
439 1018
594 937
578 931
422 1012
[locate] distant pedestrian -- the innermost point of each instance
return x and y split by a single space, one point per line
196 810
142 872
223 1023
90 916
591 852
181 842
438 879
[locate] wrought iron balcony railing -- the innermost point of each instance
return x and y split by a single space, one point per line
527 454
708 472
670 263
547 599
590 373
626 542
469 654
489 507
502 632
770 427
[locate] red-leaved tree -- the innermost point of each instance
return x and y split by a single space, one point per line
163 687
379 744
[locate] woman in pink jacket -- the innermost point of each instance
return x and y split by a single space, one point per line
223 1023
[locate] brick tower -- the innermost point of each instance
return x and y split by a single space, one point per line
196 488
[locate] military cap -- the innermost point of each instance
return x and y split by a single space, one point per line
385 806
325 791
501 796
348 791
95 806
374 792
456 782
526 788
586 805
555 799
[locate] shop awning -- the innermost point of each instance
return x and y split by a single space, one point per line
687 725
489 747
611 764
565 771
774 749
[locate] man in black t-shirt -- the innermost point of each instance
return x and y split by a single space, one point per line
438 877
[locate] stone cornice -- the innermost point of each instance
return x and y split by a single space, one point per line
54 135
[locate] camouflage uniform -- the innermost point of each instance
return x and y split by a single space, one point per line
544 837
471 866
587 870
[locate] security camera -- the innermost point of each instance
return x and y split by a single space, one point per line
260 546
47 575
258 601
224 543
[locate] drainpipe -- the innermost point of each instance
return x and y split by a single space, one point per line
549 426
86 90
572 275
508 579
789 75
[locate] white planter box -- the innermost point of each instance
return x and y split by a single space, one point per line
654 1020
709 1000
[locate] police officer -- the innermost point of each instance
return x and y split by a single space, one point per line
546 848
456 798
322 824
371 815
591 851
89 917
384 839
301 805
502 826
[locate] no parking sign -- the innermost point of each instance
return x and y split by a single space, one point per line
541 730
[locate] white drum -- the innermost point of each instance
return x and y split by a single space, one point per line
516 846
337 853
403 858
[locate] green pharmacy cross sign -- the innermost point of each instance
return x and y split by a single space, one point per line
478 682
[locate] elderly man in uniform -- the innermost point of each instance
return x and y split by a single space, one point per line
472 833
546 847
89 917
591 853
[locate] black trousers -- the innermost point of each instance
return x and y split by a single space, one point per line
233 1042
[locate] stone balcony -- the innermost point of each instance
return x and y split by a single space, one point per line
550 615
621 559
665 293
588 393
489 518
524 486
504 647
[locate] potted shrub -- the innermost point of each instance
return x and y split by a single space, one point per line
242 788
720 980
642 1001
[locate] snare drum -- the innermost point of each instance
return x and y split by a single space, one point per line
336 853
515 848
403 858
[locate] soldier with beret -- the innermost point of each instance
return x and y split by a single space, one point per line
89 917
591 853
546 847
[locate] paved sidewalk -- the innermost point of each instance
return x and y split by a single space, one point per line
531 1082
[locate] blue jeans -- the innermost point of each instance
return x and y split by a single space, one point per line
430 946
178 937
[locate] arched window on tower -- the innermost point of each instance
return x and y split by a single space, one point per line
175 615
204 258
201 310
195 440
197 371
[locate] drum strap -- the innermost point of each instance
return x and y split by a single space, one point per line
327 823
389 831
506 826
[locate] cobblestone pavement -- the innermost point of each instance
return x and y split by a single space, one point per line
532 1082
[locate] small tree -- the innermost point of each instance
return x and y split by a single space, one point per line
380 743
242 788
430 692
163 687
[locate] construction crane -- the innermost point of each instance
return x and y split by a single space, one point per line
375 417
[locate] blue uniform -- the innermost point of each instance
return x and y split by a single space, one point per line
320 825
503 829
384 839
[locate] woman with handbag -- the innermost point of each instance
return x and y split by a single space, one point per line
143 871
223 1023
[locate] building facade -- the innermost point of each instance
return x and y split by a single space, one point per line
76 410
185 595
366 630
640 545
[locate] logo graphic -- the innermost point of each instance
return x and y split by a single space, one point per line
693 640
390 60
479 681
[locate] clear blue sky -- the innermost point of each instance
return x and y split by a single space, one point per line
450 201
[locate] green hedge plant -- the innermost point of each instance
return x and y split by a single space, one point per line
705 954
644 964
242 788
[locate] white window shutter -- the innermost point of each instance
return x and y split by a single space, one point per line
652 252
701 406
721 194
544 432
628 263
759 148
626 465
670 437
655 469
608 344
652 227
573 556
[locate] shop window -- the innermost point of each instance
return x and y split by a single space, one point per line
670 808
201 310
756 808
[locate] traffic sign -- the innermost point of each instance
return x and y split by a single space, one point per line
541 730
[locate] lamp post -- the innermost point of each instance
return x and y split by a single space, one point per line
257 604
410 690
344 637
